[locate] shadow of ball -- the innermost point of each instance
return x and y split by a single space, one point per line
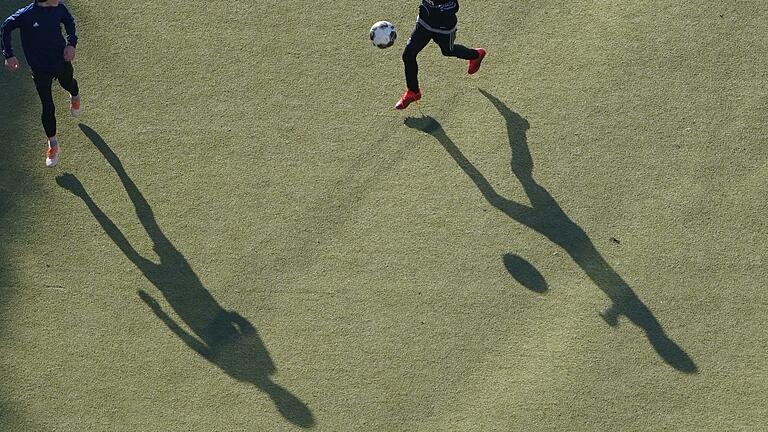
525 273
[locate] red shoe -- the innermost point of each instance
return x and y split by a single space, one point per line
74 106
474 65
408 97
52 156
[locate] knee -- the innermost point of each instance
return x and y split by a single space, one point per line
447 52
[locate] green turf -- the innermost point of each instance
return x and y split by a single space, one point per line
380 265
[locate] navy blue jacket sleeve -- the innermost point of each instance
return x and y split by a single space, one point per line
69 26
9 25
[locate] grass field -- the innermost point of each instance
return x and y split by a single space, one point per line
244 235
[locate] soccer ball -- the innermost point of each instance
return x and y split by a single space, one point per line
383 34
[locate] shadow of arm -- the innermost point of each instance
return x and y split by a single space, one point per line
191 341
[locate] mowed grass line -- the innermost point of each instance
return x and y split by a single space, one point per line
369 263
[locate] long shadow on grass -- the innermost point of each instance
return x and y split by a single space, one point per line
222 337
546 217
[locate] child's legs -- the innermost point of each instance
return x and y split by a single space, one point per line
67 80
419 39
43 82
450 49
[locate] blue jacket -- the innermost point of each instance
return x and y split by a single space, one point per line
41 35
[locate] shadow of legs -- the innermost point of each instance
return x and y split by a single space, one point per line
224 338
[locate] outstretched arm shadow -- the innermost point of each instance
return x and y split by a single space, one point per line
191 341
548 218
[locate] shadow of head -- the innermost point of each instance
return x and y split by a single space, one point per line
425 124
665 347
238 350
672 354
525 273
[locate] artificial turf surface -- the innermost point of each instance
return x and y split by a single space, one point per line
573 239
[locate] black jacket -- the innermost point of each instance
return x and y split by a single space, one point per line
439 15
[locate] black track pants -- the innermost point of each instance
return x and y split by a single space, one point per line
43 83
418 40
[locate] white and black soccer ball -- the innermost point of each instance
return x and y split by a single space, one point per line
383 34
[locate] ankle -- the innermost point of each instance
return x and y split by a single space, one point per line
53 142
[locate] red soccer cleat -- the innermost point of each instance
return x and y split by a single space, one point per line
474 65
408 97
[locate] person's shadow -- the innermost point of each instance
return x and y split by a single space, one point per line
546 217
222 337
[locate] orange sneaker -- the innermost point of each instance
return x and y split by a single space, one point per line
474 65
408 97
52 156
75 107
